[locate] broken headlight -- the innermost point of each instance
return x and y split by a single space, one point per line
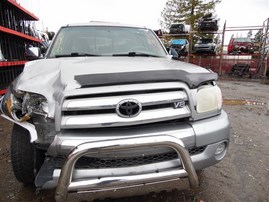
23 105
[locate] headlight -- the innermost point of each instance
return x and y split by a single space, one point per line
209 98
35 104
23 105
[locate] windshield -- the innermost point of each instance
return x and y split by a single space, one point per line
178 42
242 40
105 41
205 41
176 25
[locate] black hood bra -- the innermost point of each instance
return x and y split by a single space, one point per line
193 80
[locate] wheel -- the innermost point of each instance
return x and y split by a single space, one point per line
26 159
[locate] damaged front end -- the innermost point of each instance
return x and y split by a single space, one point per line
21 106
28 110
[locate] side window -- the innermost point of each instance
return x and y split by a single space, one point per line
58 45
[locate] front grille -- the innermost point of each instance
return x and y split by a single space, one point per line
197 150
203 47
95 163
107 111
99 110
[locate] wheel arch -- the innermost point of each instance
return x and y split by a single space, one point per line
28 126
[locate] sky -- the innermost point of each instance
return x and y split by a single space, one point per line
239 13
55 13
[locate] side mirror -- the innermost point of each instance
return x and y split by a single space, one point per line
158 32
51 35
32 53
173 52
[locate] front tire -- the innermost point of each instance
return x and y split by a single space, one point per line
26 159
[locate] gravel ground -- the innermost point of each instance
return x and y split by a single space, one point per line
242 176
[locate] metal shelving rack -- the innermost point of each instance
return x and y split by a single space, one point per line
223 62
15 34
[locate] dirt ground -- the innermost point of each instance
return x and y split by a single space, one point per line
242 176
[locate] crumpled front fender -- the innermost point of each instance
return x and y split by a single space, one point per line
28 126
6 114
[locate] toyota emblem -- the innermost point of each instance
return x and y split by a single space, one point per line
128 108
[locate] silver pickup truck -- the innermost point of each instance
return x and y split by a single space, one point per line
108 113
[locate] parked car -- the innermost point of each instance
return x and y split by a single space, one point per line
179 29
103 117
242 45
180 45
208 23
205 46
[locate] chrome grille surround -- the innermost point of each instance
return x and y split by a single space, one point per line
97 110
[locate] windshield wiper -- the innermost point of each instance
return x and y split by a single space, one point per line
75 55
133 54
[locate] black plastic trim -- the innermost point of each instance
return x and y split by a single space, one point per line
193 80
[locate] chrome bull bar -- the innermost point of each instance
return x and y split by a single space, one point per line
66 185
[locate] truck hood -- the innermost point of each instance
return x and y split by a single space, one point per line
52 77
47 73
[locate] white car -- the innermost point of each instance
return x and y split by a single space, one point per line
109 113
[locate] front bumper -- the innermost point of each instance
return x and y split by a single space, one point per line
66 184
210 133
204 49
